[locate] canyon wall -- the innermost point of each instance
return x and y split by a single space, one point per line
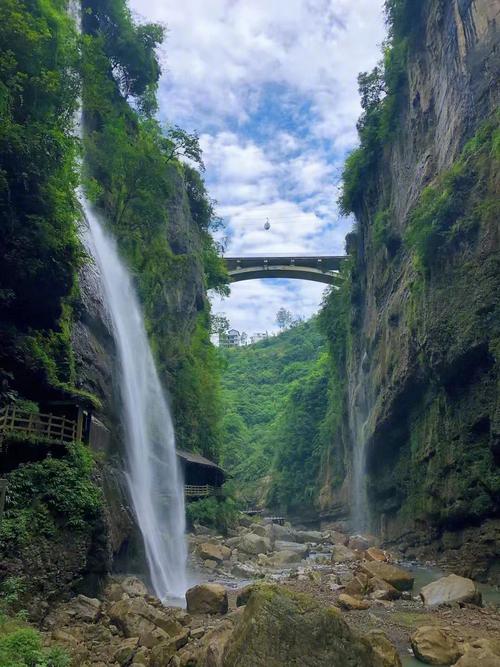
422 377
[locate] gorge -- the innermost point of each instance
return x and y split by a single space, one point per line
373 426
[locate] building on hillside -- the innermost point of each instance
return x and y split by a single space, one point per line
256 337
230 339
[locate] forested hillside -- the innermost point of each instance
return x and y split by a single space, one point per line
275 428
57 347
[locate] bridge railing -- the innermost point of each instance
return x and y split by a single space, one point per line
45 425
199 491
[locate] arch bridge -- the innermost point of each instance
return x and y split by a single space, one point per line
319 268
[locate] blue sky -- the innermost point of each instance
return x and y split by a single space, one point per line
270 85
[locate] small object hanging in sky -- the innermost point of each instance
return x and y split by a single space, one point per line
267 224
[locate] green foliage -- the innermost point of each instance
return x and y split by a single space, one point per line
451 210
45 496
158 210
284 403
298 442
382 93
129 47
215 512
22 647
39 243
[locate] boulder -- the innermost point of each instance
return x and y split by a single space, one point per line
382 590
245 571
214 643
281 558
434 646
254 544
286 532
484 652
374 553
262 529
84 608
349 602
210 565
162 653
216 552
305 536
450 589
207 599
138 618
126 650
478 657
361 542
396 576
338 538
301 549
384 648
342 554
279 628
133 587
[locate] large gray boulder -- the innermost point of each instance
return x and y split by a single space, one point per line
207 599
254 544
342 554
216 552
281 558
301 549
396 576
279 628
304 536
434 646
450 589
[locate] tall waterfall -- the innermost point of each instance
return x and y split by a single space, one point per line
153 475
154 479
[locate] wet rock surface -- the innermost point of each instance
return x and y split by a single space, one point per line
231 615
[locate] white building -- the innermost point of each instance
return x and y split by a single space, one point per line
256 337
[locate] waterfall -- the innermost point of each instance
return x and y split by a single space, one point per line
154 479
153 474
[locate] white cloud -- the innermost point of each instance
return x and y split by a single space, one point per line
271 85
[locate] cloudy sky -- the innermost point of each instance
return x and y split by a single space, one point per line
270 85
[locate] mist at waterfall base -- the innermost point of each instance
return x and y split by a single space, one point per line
153 475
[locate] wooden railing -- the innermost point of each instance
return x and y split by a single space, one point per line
191 490
53 427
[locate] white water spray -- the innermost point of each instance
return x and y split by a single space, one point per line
154 478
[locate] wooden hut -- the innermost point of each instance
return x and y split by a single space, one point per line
202 477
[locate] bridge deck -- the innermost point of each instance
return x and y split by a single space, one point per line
319 268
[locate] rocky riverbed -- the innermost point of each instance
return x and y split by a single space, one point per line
270 595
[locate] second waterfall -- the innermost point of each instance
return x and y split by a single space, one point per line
153 475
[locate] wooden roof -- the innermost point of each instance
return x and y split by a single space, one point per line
198 459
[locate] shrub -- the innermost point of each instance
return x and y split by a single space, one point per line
451 209
22 647
49 494
219 513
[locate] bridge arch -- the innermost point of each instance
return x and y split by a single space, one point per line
318 268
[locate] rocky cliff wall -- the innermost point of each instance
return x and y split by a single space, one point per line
422 401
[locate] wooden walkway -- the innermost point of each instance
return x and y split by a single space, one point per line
193 491
53 428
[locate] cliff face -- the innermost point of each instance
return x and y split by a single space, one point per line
422 407
97 364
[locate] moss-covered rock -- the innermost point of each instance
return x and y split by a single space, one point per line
282 629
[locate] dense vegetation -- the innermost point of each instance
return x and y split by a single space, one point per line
157 207
383 93
38 242
282 409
